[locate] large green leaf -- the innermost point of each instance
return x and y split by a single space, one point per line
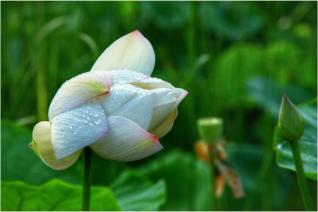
308 144
20 163
244 158
53 195
247 60
268 93
188 180
253 163
135 192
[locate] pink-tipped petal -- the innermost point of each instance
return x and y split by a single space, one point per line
78 90
132 51
126 141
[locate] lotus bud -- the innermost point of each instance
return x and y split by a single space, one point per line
290 121
116 109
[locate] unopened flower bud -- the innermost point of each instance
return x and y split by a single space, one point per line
290 121
117 109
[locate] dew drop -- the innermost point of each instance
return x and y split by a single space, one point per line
98 121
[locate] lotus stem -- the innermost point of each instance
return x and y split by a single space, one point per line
86 178
210 130
213 196
302 183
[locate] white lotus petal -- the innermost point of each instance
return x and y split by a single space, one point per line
42 146
160 113
78 128
126 141
152 83
138 110
165 126
131 102
78 90
127 76
132 51
165 106
165 95
119 95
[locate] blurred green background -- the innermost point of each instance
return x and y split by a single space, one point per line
236 59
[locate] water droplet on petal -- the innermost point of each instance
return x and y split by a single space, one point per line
98 121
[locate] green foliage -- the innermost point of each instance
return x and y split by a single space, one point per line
259 91
268 93
54 195
165 15
132 192
247 60
22 164
234 21
136 193
187 180
308 144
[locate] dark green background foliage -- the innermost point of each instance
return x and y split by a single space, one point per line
236 60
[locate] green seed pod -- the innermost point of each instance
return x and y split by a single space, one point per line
210 129
290 121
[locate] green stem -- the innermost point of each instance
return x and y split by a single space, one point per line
213 198
302 183
86 178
